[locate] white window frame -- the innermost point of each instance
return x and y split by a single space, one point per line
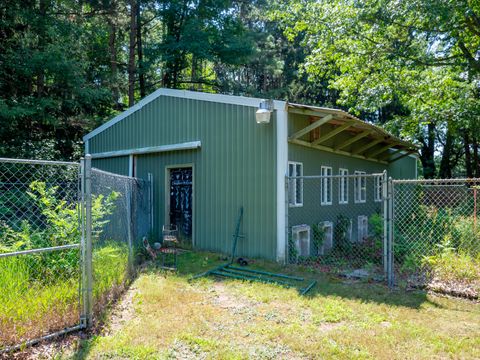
362 228
326 191
297 202
378 188
328 240
296 230
360 187
343 186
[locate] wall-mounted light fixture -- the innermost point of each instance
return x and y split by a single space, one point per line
265 108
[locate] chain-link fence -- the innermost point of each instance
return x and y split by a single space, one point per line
68 237
436 233
39 249
336 223
120 218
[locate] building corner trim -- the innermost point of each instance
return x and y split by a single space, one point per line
282 161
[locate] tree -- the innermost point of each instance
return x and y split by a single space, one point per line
407 64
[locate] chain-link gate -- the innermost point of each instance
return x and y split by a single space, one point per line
336 223
436 234
39 249
68 235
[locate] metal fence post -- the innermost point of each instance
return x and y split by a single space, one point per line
385 223
87 263
391 277
287 239
150 199
128 198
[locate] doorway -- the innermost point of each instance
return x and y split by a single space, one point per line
180 202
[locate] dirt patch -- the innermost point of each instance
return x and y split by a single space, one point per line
65 345
122 312
327 327
226 300
184 351
455 288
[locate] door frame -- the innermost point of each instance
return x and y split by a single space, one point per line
168 169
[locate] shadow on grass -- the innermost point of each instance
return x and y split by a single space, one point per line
193 263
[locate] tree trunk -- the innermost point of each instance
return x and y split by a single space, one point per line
468 154
427 156
131 52
112 48
445 171
476 159
141 69
41 45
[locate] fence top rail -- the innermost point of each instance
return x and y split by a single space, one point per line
438 181
39 250
38 162
95 170
353 176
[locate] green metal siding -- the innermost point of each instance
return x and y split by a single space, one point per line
405 168
117 165
235 166
312 212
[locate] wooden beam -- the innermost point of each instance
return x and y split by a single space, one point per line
354 139
311 127
331 150
402 156
308 112
367 146
381 150
332 133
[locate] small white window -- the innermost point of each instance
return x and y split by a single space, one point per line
378 188
343 188
301 239
360 187
326 188
328 231
295 188
362 233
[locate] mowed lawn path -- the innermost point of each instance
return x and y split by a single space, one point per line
163 315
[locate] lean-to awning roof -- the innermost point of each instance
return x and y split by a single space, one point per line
363 140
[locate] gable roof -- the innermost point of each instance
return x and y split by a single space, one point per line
194 95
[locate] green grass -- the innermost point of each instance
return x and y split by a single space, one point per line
170 317
32 306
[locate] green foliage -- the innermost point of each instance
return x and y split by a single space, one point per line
341 233
318 237
451 264
37 289
408 67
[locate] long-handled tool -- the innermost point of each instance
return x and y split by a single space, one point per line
241 273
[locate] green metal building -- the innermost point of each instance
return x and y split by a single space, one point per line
210 154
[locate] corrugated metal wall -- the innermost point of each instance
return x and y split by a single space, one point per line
235 166
117 165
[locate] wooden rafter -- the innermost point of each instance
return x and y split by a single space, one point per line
331 150
311 127
333 133
354 139
367 146
381 150
307 112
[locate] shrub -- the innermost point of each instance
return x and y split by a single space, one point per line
342 241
